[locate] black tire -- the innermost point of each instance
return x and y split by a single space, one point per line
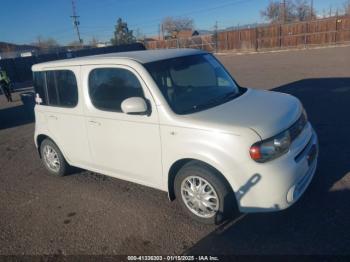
227 203
63 165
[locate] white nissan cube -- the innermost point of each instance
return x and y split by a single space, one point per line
175 120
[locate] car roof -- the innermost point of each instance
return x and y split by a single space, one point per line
143 56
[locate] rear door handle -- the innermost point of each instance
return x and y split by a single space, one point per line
53 117
94 122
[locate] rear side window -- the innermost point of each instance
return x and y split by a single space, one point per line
59 87
109 87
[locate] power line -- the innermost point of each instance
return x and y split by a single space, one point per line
216 35
155 22
76 22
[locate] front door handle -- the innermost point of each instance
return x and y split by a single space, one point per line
94 122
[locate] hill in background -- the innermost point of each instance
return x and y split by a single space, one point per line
9 47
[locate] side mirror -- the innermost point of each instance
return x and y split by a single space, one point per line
134 105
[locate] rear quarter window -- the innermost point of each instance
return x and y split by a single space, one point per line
40 86
57 88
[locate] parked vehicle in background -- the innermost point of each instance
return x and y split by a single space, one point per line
175 120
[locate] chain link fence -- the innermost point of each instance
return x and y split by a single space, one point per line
320 32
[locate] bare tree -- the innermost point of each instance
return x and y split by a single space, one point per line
304 11
272 12
46 43
93 42
277 12
139 35
346 7
174 25
288 11
74 45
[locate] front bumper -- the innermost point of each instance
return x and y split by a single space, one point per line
281 182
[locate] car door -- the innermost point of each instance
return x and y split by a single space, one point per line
64 115
122 145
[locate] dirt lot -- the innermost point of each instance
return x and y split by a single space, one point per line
87 213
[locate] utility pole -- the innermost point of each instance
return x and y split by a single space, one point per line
162 28
159 32
76 22
282 13
312 9
216 36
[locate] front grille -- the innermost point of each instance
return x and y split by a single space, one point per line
304 151
297 127
304 181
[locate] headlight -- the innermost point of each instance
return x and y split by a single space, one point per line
271 148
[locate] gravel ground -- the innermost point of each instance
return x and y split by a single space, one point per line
88 213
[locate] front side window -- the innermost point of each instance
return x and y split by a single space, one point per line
193 83
109 87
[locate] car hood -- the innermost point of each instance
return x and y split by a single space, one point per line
266 112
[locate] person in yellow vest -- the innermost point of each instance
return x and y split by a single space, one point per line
5 84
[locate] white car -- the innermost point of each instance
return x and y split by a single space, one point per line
175 120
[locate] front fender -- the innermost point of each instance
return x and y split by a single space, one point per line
223 151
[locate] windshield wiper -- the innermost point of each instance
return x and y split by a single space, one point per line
211 102
230 95
219 99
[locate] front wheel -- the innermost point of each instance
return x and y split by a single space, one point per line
204 194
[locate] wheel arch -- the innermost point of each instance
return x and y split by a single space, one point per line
177 165
41 137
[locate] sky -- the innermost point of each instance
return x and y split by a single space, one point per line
22 21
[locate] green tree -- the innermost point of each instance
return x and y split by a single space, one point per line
122 34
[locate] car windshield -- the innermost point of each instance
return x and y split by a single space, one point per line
193 83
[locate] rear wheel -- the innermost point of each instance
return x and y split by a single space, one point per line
53 158
204 194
